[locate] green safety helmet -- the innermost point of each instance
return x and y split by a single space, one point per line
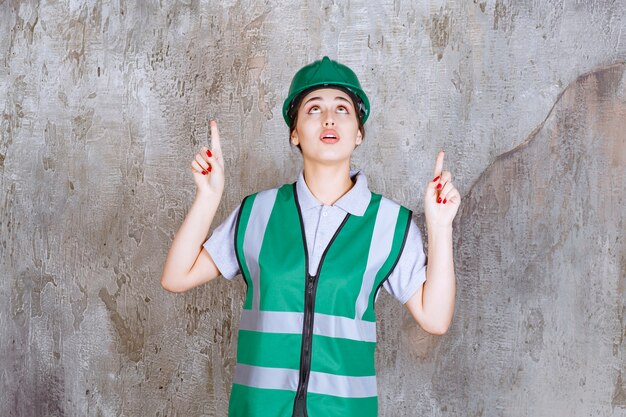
326 72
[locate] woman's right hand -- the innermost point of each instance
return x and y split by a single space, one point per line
208 166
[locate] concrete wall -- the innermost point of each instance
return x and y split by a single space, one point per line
105 103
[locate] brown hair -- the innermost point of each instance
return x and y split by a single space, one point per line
295 105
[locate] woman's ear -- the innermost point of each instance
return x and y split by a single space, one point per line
294 138
359 138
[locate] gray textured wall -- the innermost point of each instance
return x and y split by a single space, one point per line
106 103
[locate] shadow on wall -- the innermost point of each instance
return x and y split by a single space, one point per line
541 268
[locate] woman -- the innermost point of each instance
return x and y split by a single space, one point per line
314 255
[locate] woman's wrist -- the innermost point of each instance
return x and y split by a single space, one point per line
207 196
435 227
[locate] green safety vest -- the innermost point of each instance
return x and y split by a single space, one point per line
306 343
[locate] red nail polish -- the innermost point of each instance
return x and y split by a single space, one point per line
209 168
438 199
208 152
439 186
203 172
444 201
435 179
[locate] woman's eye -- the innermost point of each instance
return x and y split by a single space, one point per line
342 109
313 108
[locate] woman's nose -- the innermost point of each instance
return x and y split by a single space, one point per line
329 122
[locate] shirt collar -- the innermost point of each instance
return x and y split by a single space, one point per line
354 201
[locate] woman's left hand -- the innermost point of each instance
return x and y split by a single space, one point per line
442 199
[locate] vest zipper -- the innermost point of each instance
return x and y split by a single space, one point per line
307 340
299 406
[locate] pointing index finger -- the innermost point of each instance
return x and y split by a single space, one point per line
439 164
215 137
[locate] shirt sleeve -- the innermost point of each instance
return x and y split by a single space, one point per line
410 271
221 246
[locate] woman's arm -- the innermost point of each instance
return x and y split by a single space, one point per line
432 306
187 265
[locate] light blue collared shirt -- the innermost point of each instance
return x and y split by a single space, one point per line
320 224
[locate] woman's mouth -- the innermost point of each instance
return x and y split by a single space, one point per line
329 136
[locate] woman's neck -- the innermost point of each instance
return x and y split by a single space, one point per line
328 183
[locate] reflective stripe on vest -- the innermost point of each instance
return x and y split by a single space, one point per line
306 343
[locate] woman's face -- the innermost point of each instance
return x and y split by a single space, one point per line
322 114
